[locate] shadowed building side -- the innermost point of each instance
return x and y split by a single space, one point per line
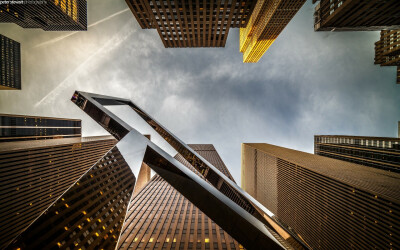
89 215
159 217
35 173
10 64
330 204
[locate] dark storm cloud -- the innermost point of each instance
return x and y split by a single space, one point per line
307 82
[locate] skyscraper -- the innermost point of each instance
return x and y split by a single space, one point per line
35 173
89 215
10 64
387 50
160 217
330 204
49 15
356 15
376 152
23 127
267 21
192 23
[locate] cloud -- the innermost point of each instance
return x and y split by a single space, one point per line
307 83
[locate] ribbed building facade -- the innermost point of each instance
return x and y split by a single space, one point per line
356 15
48 15
89 215
192 23
267 21
387 50
33 174
376 152
23 127
330 204
159 217
10 64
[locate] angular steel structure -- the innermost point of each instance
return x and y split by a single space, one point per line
239 214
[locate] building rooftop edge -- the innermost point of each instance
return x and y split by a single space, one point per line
370 179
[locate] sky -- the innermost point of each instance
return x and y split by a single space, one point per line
307 83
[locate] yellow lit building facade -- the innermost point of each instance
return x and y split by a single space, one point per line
267 21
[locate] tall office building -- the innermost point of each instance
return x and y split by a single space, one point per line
267 21
356 15
376 152
33 174
159 217
49 15
89 215
398 130
192 23
330 204
387 50
10 64
23 127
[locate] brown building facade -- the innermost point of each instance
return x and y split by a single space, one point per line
10 64
49 15
330 204
159 217
35 173
192 23
376 152
387 50
23 127
89 215
356 15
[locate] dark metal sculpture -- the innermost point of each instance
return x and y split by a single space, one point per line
239 214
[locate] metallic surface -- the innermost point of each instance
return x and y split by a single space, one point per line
219 197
